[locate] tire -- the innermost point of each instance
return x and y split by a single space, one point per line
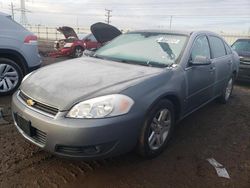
227 91
154 134
78 52
10 76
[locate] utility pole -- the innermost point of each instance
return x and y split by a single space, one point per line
108 15
170 22
23 10
12 11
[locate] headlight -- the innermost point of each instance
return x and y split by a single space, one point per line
68 45
100 107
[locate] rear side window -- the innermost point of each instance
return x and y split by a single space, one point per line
200 48
217 47
228 49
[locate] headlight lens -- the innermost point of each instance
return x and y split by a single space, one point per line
100 107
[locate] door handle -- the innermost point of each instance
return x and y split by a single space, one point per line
212 69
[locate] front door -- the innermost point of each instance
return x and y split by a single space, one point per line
200 78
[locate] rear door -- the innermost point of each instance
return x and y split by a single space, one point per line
222 61
200 78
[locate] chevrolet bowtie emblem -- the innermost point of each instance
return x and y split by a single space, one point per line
30 102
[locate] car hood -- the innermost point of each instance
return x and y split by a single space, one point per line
244 56
104 32
63 84
67 32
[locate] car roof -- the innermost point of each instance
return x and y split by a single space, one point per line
188 33
4 14
162 31
243 39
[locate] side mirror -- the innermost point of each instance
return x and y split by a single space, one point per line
200 60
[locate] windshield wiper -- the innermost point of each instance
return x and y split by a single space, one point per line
156 64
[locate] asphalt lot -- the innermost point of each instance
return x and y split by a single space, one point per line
215 131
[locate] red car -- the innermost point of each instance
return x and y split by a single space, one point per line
73 45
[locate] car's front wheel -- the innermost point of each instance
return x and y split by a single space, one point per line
227 92
78 52
157 129
10 76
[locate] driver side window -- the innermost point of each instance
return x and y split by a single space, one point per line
200 48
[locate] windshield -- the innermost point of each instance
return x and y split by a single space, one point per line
241 45
144 48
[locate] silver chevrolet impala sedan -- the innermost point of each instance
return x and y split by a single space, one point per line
127 95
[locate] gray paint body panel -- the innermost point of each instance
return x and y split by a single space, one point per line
64 84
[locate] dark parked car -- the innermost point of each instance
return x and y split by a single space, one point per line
128 95
18 54
242 47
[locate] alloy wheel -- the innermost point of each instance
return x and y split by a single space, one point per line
8 77
229 89
78 52
159 129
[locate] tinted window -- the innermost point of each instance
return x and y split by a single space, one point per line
217 47
200 48
228 49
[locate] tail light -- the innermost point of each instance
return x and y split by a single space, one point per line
30 39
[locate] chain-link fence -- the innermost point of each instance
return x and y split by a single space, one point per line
47 35
51 33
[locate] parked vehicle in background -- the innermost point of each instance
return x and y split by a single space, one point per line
70 46
90 42
242 47
129 94
74 45
18 54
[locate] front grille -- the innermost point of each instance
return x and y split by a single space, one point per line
39 136
39 106
78 150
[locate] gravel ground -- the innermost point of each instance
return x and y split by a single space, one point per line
215 131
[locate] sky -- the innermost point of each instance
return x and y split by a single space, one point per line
215 15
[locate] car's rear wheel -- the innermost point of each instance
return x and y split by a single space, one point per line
227 92
10 76
78 52
157 130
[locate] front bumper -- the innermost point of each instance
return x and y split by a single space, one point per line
244 71
79 138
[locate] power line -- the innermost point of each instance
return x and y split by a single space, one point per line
108 15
